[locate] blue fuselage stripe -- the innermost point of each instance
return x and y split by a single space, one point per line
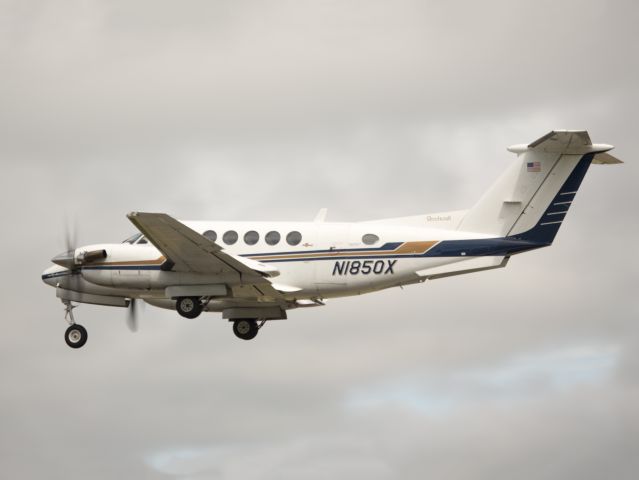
445 248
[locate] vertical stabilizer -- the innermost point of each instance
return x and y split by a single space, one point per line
532 197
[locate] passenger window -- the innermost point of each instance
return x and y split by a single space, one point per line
370 239
211 235
294 238
230 237
272 238
251 237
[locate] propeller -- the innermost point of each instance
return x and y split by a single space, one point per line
69 259
66 259
73 262
132 315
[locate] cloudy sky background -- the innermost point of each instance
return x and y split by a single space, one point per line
272 110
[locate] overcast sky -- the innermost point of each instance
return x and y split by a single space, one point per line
272 110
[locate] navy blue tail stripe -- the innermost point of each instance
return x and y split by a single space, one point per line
548 225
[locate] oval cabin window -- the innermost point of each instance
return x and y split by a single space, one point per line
272 238
251 237
211 235
370 239
294 238
230 237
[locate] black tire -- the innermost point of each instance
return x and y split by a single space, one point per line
246 328
76 336
188 307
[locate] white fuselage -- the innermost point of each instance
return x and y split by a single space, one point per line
329 260
254 272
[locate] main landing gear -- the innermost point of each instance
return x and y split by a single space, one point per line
76 335
189 307
244 328
247 328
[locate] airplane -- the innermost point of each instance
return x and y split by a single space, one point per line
255 272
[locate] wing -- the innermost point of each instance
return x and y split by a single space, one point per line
188 251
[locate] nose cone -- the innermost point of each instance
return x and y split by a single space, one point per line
53 275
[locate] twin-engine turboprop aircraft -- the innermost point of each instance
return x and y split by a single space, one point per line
253 272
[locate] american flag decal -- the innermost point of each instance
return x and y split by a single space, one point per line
533 166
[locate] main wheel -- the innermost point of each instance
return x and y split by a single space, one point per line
189 307
246 329
76 336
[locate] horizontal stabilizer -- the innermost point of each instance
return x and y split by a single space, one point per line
567 142
605 159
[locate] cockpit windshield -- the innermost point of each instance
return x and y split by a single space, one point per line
133 238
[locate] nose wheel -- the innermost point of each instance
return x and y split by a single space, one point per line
76 335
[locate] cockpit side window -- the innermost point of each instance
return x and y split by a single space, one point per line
133 238
142 241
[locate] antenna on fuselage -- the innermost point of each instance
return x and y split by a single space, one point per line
321 215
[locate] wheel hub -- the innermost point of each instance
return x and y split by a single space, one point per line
187 305
75 336
243 327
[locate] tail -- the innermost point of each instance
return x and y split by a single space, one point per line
531 199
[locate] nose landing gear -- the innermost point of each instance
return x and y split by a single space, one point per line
76 335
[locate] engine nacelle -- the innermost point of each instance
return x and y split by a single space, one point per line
84 257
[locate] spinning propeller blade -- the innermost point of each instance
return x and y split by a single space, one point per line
70 235
66 259
132 316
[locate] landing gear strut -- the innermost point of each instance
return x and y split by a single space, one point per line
76 335
189 307
246 328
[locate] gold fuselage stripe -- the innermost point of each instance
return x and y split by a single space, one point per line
407 248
